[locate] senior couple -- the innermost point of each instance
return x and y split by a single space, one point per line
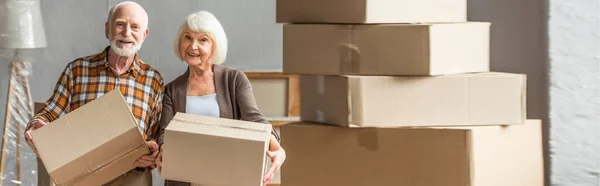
206 88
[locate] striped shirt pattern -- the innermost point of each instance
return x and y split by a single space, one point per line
88 78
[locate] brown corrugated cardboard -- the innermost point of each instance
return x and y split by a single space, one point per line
370 11
43 177
462 156
388 49
92 144
374 101
215 151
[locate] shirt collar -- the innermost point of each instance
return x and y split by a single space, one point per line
133 69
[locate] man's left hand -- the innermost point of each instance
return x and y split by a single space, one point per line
148 160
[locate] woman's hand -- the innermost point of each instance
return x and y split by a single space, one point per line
277 155
149 159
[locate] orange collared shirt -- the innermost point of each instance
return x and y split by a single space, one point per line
90 77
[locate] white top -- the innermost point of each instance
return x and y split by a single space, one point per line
206 105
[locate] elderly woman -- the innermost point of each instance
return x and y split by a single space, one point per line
209 89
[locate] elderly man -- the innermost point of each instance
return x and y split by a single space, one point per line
116 67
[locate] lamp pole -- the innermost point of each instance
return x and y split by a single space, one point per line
21 27
19 109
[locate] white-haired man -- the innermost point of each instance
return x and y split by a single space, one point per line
117 66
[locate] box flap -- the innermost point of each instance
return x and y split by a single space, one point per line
224 127
113 169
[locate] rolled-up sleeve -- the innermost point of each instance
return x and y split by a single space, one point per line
60 102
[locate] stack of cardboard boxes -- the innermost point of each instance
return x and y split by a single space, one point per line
399 92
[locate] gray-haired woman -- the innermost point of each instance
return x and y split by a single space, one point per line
207 88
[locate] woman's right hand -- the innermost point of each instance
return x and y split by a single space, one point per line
159 158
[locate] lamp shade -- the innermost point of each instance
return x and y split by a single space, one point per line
21 24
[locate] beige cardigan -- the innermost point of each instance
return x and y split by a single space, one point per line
234 96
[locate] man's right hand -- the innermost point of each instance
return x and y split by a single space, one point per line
34 126
159 159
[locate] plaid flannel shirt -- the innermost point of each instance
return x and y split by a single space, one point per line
88 78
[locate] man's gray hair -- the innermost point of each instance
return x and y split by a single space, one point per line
116 7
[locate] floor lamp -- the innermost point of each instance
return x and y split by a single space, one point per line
21 28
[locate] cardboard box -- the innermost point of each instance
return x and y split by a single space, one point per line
387 49
93 144
377 101
43 178
460 156
215 151
370 11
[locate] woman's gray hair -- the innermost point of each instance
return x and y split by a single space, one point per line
204 22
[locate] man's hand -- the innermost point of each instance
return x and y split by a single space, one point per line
277 155
148 160
34 126
159 159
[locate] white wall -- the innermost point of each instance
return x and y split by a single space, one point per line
574 50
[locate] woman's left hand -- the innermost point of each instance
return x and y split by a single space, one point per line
277 155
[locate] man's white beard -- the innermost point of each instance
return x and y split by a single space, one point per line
125 52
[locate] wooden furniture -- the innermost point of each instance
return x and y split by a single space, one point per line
272 80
